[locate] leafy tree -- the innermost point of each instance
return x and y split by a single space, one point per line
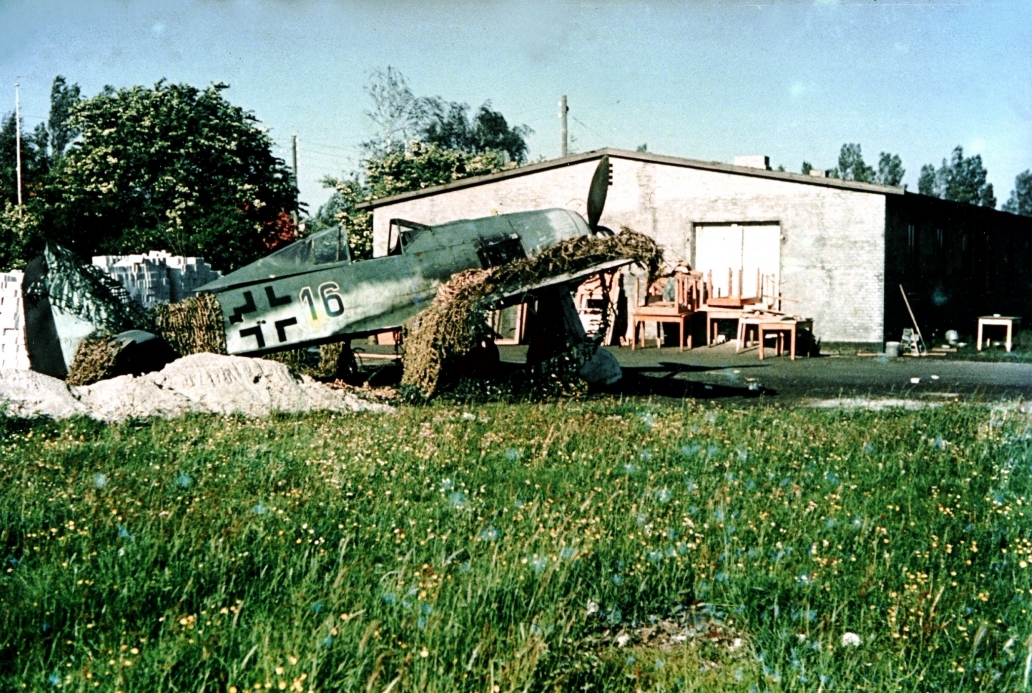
62 99
34 161
890 169
961 179
420 142
926 184
396 112
421 165
806 168
448 126
170 168
401 117
1020 200
851 165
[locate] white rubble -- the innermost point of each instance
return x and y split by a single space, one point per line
28 394
201 383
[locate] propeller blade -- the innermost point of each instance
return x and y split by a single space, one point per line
597 193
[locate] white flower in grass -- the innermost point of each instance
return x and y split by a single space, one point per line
850 639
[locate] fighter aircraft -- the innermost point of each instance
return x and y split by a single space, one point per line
312 292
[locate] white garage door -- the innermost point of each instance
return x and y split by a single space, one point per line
738 247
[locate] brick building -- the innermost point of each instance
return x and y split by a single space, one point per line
838 249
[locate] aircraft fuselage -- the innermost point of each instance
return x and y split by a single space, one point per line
307 295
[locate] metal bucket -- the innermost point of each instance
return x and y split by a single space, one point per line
892 349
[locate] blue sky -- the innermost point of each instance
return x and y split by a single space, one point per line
706 80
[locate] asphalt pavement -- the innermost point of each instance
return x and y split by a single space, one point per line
720 372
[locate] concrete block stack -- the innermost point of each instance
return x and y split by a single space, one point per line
187 274
13 351
157 276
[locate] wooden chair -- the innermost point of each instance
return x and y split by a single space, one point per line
688 294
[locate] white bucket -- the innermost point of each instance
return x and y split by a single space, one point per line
892 349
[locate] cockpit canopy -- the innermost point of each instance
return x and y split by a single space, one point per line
326 247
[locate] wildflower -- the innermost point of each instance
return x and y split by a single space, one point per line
592 607
317 608
663 495
689 450
457 499
850 639
54 679
424 653
629 469
567 553
184 480
488 534
617 579
100 480
743 454
538 563
512 454
468 416
326 642
646 455
259 509
447 485
123 533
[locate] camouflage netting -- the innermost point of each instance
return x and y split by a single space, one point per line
456 321
192 326
94 360
87 292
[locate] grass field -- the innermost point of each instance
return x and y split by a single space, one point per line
533 547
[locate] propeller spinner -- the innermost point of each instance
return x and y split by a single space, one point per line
597 192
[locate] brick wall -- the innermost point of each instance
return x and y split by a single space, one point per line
833 239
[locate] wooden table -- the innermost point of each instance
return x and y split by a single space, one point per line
1008 321
713 315
751 320
661 314
780 327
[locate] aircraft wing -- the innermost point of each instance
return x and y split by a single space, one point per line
501 299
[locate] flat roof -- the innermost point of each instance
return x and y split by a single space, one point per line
634 156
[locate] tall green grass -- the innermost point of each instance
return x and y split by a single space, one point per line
447 549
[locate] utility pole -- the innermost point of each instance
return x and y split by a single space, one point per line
17 146
563 110
293 139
